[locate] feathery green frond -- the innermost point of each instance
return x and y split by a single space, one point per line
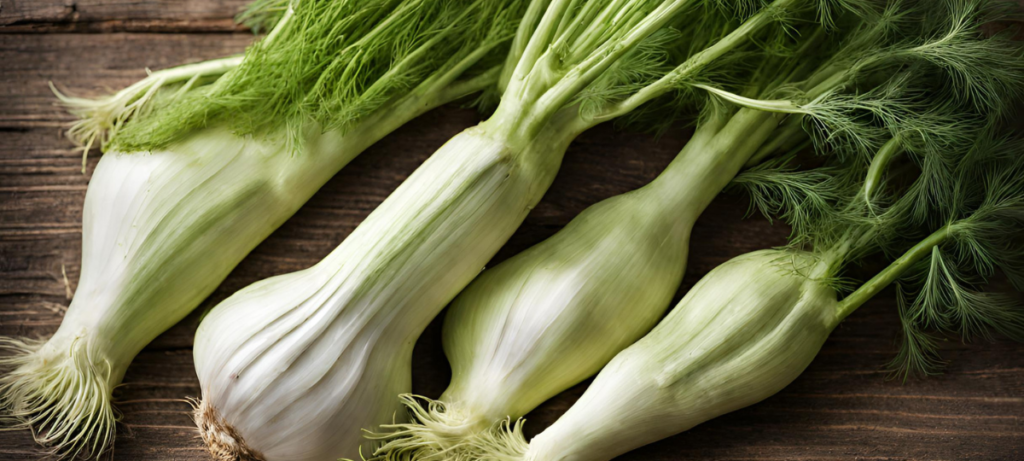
947 301
829 10
928 200
918 353
101 119
905 71
804 199
331 64
982 71
263 15
976 227
984 238
967 67
651 59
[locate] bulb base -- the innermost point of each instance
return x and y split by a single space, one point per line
222 441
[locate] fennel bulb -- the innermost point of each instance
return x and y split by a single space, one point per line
162 234
294 367
750 326
298 364
754 323
553 315
185 192
741 334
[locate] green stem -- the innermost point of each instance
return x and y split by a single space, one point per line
786 139
563 25
540 89
457 90
696 63
872 287
824 72
602 58
711 159
183 73
593 30
834 81
782 106
414 58
576 25
538 43
288 14
522 38
879 163
799 68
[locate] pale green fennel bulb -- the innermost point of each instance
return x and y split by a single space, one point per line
296 366
204 161
556 313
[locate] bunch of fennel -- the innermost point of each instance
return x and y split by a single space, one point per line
556 313
294 367
753 324
204 161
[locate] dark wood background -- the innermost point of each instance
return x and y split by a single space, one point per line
843 407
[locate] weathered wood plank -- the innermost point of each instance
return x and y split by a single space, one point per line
47 16
89 65
842 407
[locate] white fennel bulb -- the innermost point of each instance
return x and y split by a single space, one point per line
744 332
752 325
204 161
293 367
554 314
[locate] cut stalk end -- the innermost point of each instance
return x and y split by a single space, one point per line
222 441
62 395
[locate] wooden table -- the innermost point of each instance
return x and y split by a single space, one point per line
843 407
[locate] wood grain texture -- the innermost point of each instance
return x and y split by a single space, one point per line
842 407
48 16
